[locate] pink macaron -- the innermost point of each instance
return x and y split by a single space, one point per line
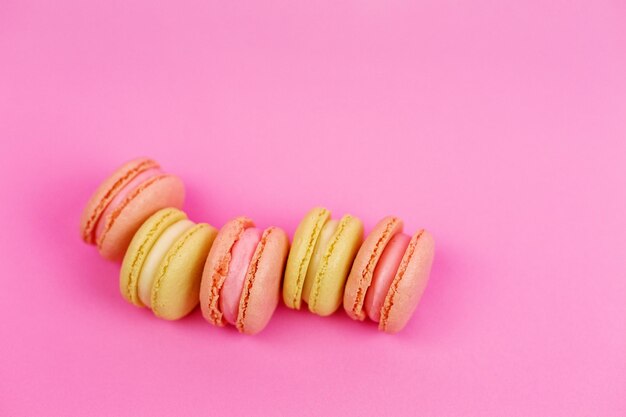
124 201
242 275
389 275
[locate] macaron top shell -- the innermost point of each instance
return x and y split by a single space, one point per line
261 290
328 285
409 283
107 190
177 284
304 241
365 262
140 246
216 268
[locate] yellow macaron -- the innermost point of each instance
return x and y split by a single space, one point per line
162 268
319 261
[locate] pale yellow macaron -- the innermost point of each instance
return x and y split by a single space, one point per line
162 268
319 261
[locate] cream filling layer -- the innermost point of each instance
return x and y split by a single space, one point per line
150 266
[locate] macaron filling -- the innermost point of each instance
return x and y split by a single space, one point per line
122 194
150 267
241 256
321 247
384 273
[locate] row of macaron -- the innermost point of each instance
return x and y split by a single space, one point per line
238 273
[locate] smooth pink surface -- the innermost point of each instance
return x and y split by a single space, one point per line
498 126
121 196
384 273
242 252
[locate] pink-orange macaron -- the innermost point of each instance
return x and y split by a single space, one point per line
389 275
242 275
124 201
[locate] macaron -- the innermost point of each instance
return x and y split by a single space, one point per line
389 275
242 275
162 268
319 261
124 201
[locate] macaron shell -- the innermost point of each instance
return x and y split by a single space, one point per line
157 193
140 246
216 268
300 254
107 191
327 289
176 288
409 283
362 271
262 287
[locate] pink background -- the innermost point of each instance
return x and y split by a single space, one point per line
499 127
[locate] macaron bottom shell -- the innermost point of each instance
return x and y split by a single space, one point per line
409 283
261 291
